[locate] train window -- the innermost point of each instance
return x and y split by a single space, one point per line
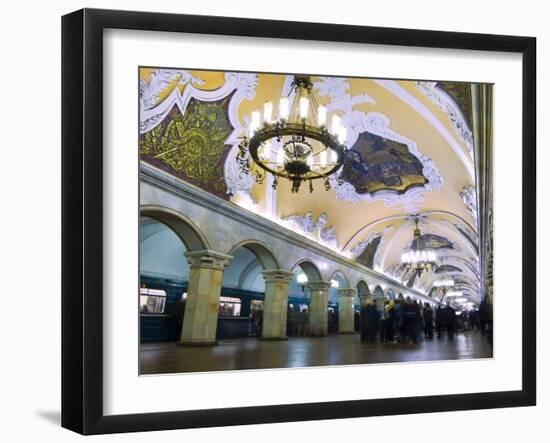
230 307
151 301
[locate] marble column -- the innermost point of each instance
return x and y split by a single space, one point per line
318 307
203 297
275 304
345 310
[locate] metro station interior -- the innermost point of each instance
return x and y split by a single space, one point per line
295 221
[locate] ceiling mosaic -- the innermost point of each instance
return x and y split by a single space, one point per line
433 241
460 93
375 163
447 269
191 145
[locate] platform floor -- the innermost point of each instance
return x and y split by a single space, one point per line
252 353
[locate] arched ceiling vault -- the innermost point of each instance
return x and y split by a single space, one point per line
396 125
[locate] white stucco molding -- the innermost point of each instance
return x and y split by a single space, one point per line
423 110
448 106
240 86
409 201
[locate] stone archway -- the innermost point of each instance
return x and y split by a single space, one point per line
339 277
318 298
262 252
185 229
205 276
363 291
310 269
271 319
344 296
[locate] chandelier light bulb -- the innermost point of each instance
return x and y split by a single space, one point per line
342 134
280 156
263 150
335 124
255 123
323 159
304 107
322 115
268 112
283 108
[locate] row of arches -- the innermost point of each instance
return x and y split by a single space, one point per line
192 239
244 267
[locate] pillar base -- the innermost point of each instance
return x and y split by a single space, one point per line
318 335
198 343
274 338
346 332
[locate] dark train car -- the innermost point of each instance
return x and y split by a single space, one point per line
162 304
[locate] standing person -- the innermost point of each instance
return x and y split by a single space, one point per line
259 321
390 322
439 322
357 321
451 321
467 321
483 317
293 316
428 322
372 322
399 318
304 322
408 319
416 321
333 321
383 323
363 321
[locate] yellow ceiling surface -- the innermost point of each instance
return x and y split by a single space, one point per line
414 119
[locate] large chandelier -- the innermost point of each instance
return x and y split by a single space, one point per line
417 258
444 283
297 145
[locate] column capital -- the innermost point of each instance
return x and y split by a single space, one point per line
346 292
277 276
319 285
207 258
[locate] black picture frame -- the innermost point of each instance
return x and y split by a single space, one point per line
82 235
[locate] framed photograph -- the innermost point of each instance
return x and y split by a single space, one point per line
270 221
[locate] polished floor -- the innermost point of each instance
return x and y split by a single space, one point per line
251 353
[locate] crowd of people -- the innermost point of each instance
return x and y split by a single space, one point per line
406 320
402 321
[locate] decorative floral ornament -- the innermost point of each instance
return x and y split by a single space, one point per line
449 107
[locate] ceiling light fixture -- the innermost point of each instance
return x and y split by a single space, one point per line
298 145
417 258
444 283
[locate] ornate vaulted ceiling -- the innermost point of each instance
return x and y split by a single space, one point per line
411 153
